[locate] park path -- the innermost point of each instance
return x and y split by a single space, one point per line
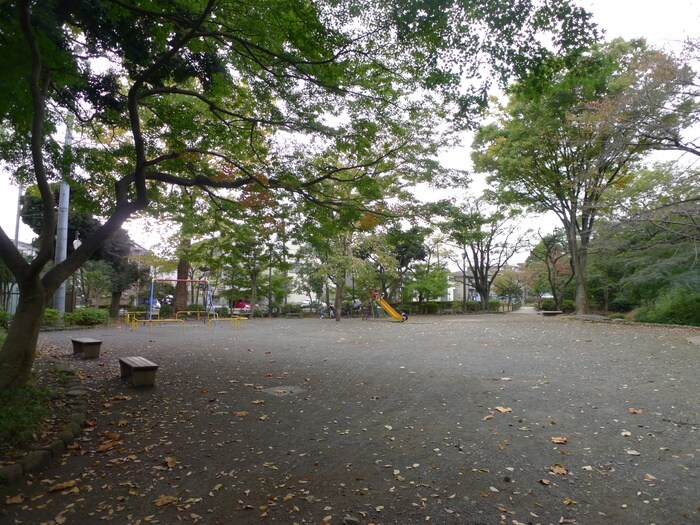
452 420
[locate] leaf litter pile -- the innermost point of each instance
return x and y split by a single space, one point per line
355 445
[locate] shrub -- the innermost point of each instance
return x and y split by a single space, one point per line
568 306
548 304
620 305
51 317
24 410
431 307
495 306
473 306
195 307
87 317
165 310
5 319
676 306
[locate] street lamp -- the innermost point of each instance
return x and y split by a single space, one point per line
464 282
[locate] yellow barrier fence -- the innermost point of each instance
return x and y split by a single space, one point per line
235 320
151 322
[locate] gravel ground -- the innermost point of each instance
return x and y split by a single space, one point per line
493 419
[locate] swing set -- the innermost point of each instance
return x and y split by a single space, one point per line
208 296
208 314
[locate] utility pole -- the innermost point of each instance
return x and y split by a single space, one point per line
19 211
59 298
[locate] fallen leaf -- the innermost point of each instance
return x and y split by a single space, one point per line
259 402
163 500
503 410
388 427
633 453
242 413
568 501
558 440
633 410
14 500
649 477
558 469
545 482
170 461
63 486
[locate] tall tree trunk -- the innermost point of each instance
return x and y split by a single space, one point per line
19 349
579 257
183 273
114 304
339 292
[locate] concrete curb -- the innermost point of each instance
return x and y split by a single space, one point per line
37 460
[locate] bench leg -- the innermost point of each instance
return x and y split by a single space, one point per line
143 377
125 370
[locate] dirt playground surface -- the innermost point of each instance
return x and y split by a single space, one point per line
492 419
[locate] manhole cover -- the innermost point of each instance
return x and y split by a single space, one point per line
284 390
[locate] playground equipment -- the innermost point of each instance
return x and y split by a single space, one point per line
377 298
390 310
208 295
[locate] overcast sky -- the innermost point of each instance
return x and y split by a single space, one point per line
664 23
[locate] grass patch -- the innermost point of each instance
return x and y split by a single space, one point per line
30 415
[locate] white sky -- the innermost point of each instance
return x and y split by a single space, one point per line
663 23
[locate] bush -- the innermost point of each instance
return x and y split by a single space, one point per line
23 414
676 306
548 305
431 307
568 306
495 306
473 306
87 317
165 310
51 317
195 307
5 319
620 306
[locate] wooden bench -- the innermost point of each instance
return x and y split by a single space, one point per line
548 313
141 371
87 346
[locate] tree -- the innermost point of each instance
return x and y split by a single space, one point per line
563 145
114 251
508 285
552 252
666 103
223 96
94 281
647 244
488 239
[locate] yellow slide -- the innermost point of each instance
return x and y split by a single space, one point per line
388 309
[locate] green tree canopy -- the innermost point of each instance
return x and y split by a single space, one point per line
562 146
227 95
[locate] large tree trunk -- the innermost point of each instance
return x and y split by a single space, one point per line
19 350
580 259
579 256
114 304
183 273
339 292
180 295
